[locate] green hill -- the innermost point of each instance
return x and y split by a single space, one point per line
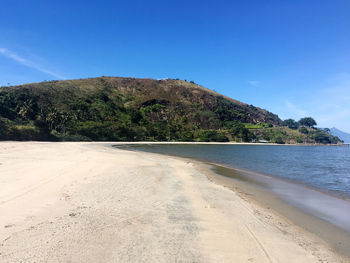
127 109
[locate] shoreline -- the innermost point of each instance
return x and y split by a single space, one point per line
231 143
87 202
121 145
183 142
239 181
329 232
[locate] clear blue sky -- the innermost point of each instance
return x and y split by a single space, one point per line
291 57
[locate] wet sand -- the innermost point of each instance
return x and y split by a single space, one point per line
249 186
87 202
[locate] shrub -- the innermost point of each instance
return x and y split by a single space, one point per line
238 130
279 139
303 130
211 136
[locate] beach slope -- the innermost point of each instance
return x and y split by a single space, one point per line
88 202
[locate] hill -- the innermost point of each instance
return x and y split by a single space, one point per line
128 109
340 134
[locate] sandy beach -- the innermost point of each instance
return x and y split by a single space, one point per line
88 202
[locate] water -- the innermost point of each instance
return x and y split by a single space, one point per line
326 168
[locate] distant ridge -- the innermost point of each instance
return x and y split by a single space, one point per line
342 135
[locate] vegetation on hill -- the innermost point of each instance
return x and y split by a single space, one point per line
128 109
287 135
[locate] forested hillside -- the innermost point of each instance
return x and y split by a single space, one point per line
126 109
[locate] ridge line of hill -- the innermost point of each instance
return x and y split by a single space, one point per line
134 109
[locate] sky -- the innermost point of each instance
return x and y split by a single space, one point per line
291 57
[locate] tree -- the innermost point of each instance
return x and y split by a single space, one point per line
307 122
290 123
279 139
322 137
327 130
3 129
239 131
303 130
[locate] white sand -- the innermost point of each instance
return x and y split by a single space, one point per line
85 202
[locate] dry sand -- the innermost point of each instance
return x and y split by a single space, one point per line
86 202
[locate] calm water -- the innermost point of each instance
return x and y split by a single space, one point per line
326 168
